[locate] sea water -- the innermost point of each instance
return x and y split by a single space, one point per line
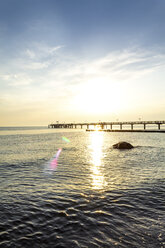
97 196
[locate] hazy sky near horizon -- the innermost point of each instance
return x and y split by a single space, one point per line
78 60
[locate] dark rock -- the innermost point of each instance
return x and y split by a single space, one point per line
123 145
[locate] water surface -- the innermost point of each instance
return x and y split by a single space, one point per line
97 197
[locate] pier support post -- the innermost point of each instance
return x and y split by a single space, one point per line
159 126
81 126
111 126
131 126
120 126
144 126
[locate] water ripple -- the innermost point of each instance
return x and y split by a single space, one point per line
72 207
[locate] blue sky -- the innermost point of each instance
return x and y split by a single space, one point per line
77 60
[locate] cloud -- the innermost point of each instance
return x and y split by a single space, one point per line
30 54
17 79
35 65
40 51
51 68
120 66
125 64
50 74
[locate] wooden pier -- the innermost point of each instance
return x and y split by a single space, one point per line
109 126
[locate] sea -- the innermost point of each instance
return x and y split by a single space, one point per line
96 196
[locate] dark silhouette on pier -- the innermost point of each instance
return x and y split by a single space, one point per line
108 126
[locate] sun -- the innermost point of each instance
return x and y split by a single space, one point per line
99 96
97 128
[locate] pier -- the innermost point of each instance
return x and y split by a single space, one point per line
109 126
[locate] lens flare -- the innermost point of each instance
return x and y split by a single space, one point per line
52 164
65 139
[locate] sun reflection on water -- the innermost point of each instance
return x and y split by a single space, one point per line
98 180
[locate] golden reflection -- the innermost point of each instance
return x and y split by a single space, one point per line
97 128
98 181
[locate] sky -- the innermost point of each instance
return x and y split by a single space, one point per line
81 60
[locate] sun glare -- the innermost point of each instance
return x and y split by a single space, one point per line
99 96
98 180
97 128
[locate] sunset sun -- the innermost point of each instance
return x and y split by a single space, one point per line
99 96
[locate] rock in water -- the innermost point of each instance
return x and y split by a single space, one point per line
123 145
